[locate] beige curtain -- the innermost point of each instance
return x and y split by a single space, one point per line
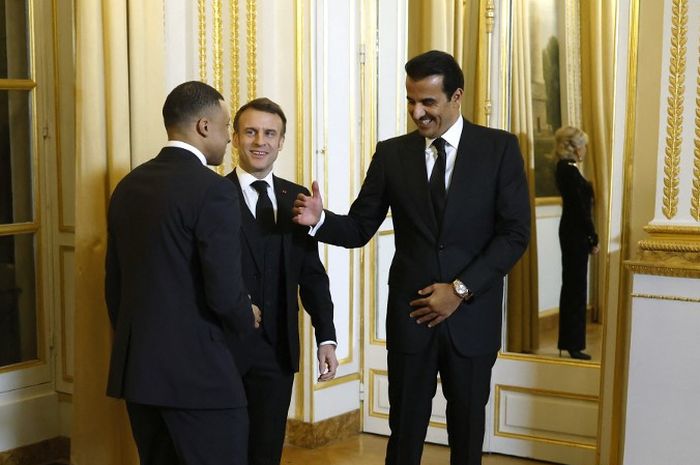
453 27
522 317
119 91
597 55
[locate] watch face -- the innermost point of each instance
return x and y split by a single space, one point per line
460 289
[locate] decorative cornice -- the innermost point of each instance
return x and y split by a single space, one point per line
695 196
676 260
202 16
674 111
675 230
661 245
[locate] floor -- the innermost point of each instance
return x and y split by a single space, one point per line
594 342
368 449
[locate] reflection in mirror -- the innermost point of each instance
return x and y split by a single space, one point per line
561 68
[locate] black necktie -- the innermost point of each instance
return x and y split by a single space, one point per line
263 208
437 180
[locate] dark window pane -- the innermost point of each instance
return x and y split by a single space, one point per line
18 308
14 41
16 196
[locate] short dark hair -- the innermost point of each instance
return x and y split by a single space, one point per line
434 63
189 100
261 104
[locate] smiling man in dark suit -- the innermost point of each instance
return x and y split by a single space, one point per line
175 295
279 260
459 202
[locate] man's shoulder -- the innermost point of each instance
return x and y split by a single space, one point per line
486 131
408 138
289 186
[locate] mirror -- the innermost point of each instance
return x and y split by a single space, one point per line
560 63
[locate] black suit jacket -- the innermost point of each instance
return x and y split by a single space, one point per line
304 273
173 285
485 230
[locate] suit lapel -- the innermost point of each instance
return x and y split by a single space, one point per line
249 230
285 201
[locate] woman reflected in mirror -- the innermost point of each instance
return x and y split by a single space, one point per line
577 238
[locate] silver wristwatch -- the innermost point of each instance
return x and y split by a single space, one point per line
460 289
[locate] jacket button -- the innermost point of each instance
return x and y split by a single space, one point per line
441 246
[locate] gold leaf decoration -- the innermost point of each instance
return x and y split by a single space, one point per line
252 46
674 119
695 196
202 40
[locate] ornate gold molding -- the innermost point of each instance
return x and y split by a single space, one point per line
660 264
676 247
695 196
490 20
674 111
235 57
217 40
498 400
235 68
664 257
674 298
202 40
312 435
251 9
674 230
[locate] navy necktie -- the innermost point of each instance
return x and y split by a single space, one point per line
437 180
264 213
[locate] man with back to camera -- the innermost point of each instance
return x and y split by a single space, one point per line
461 214
175 293
279 259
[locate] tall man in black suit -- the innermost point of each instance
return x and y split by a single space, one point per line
175 292
279 260
459 203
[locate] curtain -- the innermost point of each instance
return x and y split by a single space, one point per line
119 44
451 26
522 316
597 33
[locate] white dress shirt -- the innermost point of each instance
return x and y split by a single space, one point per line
250 195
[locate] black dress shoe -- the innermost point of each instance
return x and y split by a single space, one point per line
577 354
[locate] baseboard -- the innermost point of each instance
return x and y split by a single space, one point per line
313 435
51 450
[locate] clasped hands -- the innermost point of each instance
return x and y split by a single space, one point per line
438 303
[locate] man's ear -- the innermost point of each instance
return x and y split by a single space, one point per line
281 142
203 127
457 95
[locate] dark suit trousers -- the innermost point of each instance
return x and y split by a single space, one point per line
168 436
573 297
268 386
412 385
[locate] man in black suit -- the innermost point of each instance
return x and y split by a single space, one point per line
175 293
279 259
459 202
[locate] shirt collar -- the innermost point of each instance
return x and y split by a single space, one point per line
245 179
189 148
451 136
